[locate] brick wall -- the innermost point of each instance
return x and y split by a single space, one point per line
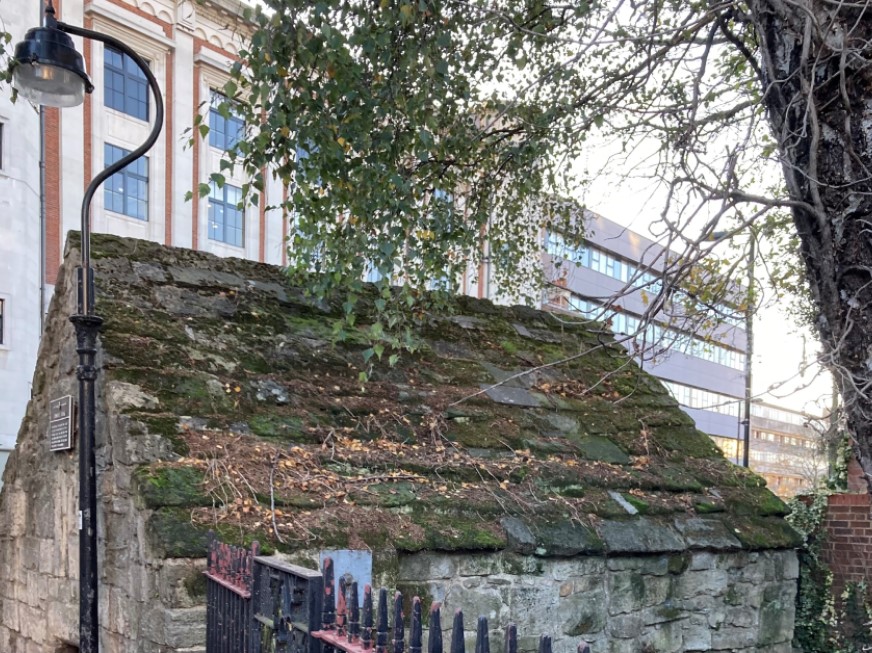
848 526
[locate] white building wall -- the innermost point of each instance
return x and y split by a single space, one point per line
19 246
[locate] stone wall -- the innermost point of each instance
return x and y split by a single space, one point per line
685 576
147 604
699 601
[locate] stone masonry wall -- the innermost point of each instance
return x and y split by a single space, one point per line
699 601
147 605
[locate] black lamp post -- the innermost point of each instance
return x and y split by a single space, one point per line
49 71
749 335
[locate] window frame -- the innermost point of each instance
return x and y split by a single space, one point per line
128 176
217 98
130 78
213 225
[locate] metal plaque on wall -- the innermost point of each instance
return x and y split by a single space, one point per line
60 425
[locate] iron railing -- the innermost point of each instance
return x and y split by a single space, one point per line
257 604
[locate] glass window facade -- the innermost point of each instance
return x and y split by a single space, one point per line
703 399
656 336
626 271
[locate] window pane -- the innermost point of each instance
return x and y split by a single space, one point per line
125 85
225 125
226 221
126 191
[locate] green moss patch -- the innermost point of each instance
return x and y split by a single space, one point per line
764 533
172 534
601 449
274 426
171 486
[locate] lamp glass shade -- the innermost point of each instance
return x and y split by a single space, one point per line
50 86
48 70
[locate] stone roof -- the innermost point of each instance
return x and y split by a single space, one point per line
243 415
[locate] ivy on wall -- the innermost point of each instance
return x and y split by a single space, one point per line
824 625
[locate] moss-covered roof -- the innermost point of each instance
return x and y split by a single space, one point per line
266 431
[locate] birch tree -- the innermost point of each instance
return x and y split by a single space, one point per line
418 137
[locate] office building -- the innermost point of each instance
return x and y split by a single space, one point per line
613 277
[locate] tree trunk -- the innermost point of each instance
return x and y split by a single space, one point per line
818 94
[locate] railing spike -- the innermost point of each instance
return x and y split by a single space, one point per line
434 637
354 611
341 605
399 643
482 638
584 647
511 644
329 609
367 616
457 643
381 629
545 644
416 634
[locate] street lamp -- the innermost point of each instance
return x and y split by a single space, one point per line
749 350
749 335
48 70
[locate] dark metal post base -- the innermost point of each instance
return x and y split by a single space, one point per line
87 327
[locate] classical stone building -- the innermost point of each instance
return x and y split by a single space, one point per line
47 159
516 465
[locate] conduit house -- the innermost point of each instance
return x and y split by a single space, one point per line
517 465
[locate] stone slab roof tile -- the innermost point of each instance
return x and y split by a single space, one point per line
237 376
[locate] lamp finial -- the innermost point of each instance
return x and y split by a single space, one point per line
49 20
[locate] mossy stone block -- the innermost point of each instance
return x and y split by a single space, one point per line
640 535
172 535
566 538
686 440
602 449
765 533
171 486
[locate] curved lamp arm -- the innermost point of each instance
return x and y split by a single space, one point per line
86 299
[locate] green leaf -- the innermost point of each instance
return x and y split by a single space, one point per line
204 189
